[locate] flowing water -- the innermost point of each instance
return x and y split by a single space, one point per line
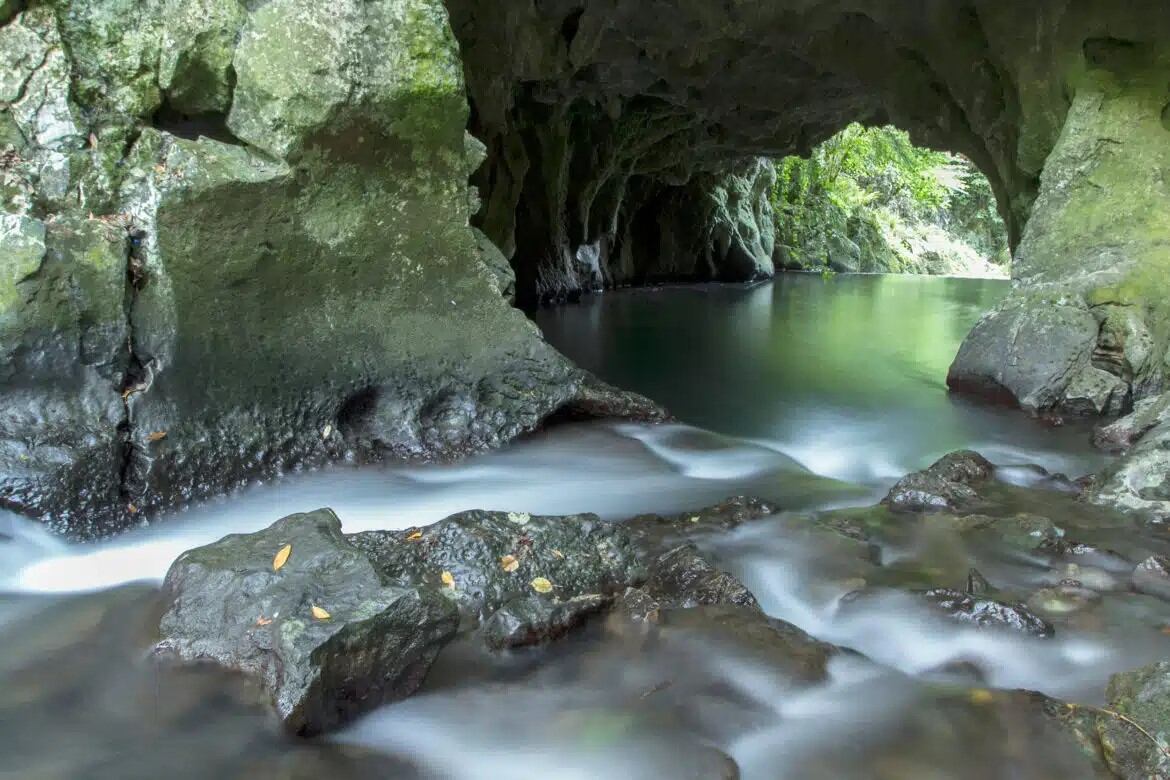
814 393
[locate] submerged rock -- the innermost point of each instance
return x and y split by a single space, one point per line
947 485
987 613
1152 577
324 633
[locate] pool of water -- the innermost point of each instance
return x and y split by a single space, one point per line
846 374
814 393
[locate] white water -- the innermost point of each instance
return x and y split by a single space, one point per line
615 702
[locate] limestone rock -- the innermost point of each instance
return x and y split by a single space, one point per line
681 579
1152 576
1143 696
530 620
949 484
323 633
495 558
987 613
1140 480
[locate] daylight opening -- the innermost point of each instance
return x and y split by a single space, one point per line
868 200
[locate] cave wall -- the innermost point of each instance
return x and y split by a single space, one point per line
237 238
235 241
610 122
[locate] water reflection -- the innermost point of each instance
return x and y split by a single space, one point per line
847 375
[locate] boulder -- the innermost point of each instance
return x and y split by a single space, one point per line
682 578
947 485
352 314
1152 577
1139 481
986 613
1134 739
322 631
486 560
1122 434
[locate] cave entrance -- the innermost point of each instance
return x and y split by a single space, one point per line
868 200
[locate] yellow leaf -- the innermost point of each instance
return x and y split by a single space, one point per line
132 509
263 621
448 579
559 554
319 613
157 436
541 585
414 536
281 557
509 563
981 696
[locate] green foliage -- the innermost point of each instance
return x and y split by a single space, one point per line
870 200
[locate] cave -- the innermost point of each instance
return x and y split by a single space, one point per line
256 252
607 144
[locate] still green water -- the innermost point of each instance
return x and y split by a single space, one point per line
846 374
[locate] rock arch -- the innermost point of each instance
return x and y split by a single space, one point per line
221 222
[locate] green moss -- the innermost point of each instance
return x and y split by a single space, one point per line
199 41
114 46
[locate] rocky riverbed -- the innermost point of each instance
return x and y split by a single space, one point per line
964 612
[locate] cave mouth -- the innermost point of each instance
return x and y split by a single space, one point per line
868 200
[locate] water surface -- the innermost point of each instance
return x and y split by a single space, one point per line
813 393
846 374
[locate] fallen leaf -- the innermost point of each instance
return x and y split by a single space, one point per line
695 519
559 554
325 434
541 585
157 436
509 563
414 536
519 518
319 613
281 557
132 509
981 696
263 621
448 579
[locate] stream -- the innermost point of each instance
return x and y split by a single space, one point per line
813 393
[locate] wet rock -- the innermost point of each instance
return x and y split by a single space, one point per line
682 578
1063 599
1139 482
1028 532
786 648
1142 699
531 620
1126 432
324 634
656 534
1152 577
493 558
948 485
597 400
977 584
986 613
